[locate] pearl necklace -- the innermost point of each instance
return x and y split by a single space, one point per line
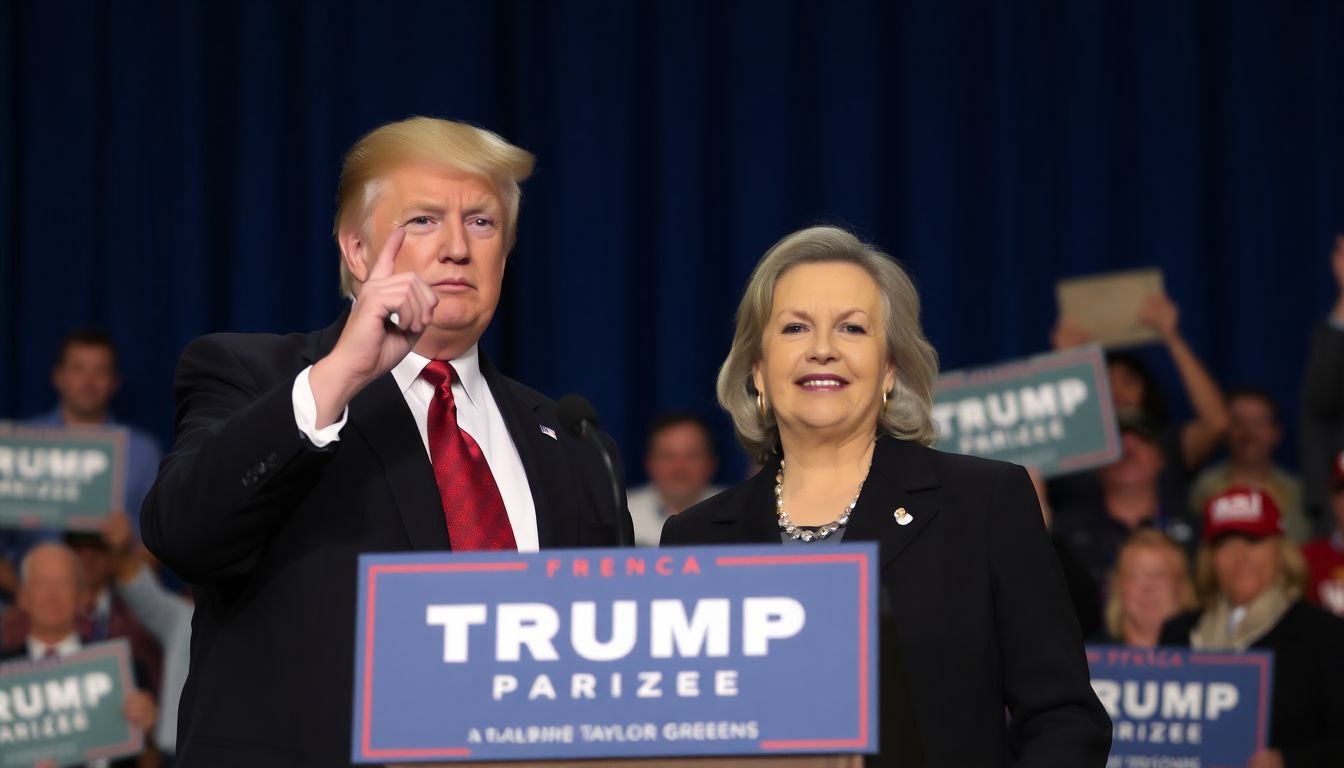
792 529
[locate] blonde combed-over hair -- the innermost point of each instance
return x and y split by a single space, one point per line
430 141
908 414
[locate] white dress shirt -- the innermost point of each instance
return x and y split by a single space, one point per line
477 414
38 649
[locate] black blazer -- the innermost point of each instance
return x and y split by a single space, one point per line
978 603
1307 705
268 529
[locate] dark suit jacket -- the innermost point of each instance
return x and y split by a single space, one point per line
979 606
1307 709
269 528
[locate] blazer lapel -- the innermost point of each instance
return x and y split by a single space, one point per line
754 520
902 477
542 457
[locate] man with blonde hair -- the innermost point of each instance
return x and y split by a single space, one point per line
388 431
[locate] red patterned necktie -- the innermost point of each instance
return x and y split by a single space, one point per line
472 505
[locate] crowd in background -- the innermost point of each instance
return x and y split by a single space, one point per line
1164 546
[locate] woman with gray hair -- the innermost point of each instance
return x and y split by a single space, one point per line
829 383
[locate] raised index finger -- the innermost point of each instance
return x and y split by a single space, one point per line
382 267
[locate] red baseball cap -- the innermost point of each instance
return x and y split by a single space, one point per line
1337 473
1239 509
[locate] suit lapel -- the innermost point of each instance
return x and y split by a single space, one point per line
380 414
902 476
543 460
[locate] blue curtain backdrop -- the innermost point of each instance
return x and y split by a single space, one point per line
167 169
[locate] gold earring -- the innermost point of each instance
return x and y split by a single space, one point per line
760 406
884 401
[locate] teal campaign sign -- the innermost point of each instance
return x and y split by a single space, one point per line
1052 412
67 710
60 477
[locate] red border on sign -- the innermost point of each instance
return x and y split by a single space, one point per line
862 739
366 736
1262 707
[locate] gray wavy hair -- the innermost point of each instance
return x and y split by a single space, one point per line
908 415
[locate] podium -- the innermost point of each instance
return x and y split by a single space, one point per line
782 761
692 657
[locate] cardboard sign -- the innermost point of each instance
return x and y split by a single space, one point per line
67 710
1107 306
60 477
1052 412
1182 708
574 654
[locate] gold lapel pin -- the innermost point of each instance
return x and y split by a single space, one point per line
903 517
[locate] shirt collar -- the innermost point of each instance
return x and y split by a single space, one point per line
37 649
467 365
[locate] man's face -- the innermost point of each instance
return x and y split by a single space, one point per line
50 591
86 380
1140 462
455 236
1252 434
680 463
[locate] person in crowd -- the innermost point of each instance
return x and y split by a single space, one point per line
1325 556
388 431
1250 581
1130 499
166 614
829 384
50 594
1185 447
1253 434
681 463
85 378
102 614
1322 402
1151 584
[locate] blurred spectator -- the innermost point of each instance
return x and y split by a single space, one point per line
166 614
1250 579
1134 387
1130 499
1322 420
85 379
680 463
49 594
1325 556
1253 433
1151 584
102 614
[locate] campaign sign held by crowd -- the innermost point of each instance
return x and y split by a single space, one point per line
1182 709
67 710
573 654
1053 412
60 477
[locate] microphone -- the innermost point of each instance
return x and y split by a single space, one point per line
580 420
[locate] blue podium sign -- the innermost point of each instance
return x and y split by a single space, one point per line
1182 708
573 654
